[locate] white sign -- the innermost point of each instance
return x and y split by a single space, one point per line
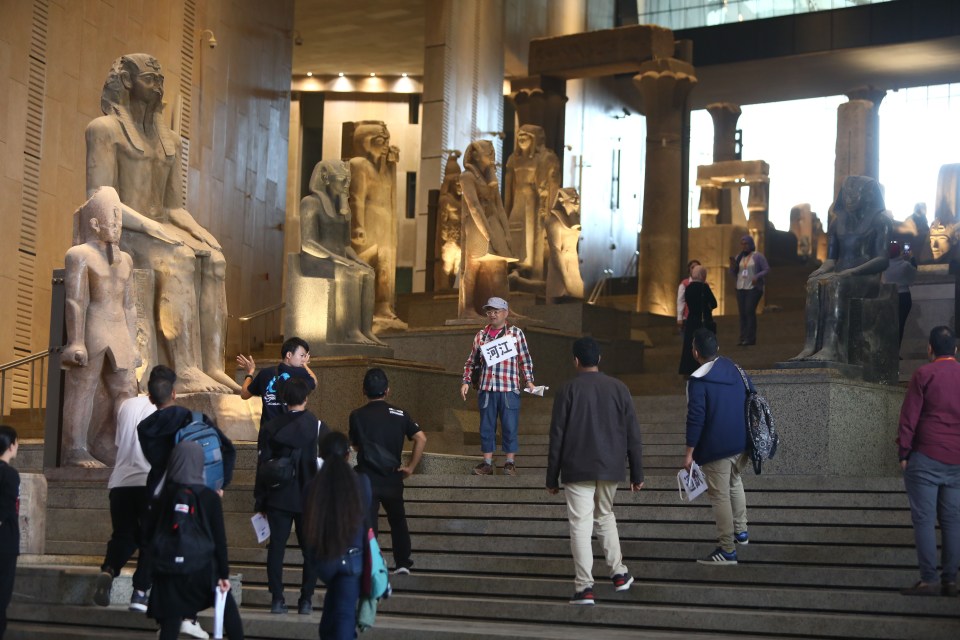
499 350
261 527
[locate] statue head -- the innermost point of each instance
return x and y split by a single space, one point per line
530 139
371 139
100 218
567 206
941 240
133 77
451 176
859 195
332 177
481 156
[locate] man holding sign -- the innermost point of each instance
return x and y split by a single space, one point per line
501 349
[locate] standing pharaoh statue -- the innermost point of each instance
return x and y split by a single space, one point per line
325 236
485 230
532 178
101 320
373 201
448 225
130 149
563 234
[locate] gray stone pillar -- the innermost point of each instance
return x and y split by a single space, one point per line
725 116
758 205
664 85
858 136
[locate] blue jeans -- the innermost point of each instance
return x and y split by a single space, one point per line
934 491
506 405
342 578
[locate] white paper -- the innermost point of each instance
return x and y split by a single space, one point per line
536 391
498 350
220 601
691 484
260 526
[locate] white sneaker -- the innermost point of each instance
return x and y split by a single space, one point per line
193 629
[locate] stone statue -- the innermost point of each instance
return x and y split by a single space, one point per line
856 257
131 149
325 237
943 239
532 177
373 200
485 233
448 224
101 355
563 234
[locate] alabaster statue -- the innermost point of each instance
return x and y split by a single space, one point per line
448 224
325 238
373 201
563 234
130 149
485 234
856 258
532 178
100 357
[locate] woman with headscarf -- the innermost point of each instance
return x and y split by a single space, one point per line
700 303
334 517
750 269
178 596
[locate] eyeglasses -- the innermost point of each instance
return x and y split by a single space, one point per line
493 312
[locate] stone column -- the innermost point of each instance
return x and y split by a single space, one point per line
725 116
664 85
709 205
758 204
858 136
541 100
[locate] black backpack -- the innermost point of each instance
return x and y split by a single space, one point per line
281 469
197 430
762 436
182 542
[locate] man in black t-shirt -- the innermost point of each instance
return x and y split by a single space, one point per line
295 361
377 432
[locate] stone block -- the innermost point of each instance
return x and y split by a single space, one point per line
238 419
33 512
604 52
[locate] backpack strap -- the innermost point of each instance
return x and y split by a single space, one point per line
743 376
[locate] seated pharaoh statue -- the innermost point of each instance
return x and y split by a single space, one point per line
345 314
563 234
856 257
130 149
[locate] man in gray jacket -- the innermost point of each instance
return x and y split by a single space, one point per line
593 431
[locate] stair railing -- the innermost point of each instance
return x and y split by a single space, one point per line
245 346
35 383
599 287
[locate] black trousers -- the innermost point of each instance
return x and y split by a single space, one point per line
128 513
747 301
389 493
906 303
280 523
232 624
8 570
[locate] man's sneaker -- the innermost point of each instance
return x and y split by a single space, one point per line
719 556
483 469
401 571
278 606
583 597
305 606
742 538
622 581
193 629
139 601
510 468
101 596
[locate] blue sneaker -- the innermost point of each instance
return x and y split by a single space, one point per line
719 556
742 538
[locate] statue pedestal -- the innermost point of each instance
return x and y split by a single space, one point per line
238 419
33 512
831 424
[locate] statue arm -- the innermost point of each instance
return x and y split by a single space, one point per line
358 201
77 289
880 259
182 218
508 180
472 203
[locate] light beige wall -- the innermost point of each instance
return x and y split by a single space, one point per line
238 155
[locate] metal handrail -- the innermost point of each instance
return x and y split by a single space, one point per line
599 286
262 312
35 390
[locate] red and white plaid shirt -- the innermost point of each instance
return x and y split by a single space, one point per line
503 376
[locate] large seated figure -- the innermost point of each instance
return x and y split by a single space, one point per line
856 257
130 149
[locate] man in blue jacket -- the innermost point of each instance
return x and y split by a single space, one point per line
717 440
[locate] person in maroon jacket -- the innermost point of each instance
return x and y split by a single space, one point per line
929 442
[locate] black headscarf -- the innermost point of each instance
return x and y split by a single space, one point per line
186 464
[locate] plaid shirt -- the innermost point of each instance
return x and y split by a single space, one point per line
503 376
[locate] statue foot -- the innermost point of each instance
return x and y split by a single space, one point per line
80 458
193 380
825 355
803 355
372 338
224 379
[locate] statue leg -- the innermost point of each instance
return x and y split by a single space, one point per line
538 242
78 398
386 283
368 288
812 320
102 436
468 282
836 304
213 318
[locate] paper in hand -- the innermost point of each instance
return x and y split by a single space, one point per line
536 391
260 526
220 601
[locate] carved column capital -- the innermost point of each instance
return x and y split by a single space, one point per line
664 86
725 116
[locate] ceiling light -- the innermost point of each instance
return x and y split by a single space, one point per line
373 75
309 74
403 75
340 74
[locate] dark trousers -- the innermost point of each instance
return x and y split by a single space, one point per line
906 303
128 513
389 493
8 570
342 578
747 301
280 522
232 624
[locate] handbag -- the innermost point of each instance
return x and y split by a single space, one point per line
692 484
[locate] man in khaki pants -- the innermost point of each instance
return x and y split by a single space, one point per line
717 439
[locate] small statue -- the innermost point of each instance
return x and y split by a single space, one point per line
485 231
942 241
856 258
101 319
325 236
532 178
563 234
448 224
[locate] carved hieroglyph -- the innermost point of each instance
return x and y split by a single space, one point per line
563 234
131 149
101 319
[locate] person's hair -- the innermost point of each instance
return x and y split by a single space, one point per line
699 273
705 342
160 385
295 392
691 263
943 341
586 351
290 346
375 383
893 249
333 507
8 435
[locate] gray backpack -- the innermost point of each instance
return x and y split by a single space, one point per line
762 437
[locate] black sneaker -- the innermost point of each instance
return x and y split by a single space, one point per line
483 469
278 606
101 597
583 597
719 556
305 606
139 601
622 581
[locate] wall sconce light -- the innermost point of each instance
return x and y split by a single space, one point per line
297 38
212 40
